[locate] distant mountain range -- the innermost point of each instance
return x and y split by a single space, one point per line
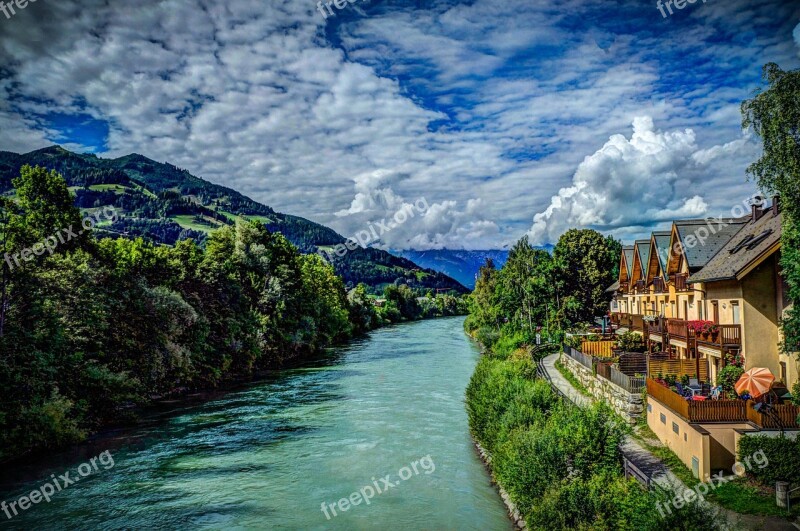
163 203
459 264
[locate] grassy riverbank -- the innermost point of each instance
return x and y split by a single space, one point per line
560 464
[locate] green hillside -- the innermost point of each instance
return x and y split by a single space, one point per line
165 204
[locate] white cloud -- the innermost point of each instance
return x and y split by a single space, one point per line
485 109
796 35
634 182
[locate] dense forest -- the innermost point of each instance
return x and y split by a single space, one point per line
162 203
91 328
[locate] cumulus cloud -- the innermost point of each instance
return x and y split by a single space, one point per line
485 109
633 182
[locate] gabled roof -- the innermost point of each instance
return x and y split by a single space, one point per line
641 258
701 240
625 263
613 287
749 246
659 254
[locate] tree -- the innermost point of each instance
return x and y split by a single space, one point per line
774 115
586 264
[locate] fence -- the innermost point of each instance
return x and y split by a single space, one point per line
580 357
600 349
629 383
783 416
606 370
699 411
679 368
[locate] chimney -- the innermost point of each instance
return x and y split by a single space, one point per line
757 209
776 205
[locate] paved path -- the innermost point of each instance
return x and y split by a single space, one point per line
652 466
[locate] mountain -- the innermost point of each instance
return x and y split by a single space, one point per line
163 203
459 264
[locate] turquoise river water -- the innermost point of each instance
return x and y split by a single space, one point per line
268 455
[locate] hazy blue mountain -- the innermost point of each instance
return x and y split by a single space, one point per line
459 264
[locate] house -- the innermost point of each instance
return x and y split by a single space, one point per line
722 270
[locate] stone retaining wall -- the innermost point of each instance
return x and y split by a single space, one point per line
628 405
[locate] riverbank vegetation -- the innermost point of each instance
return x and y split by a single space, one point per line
561 464
101 326
536 293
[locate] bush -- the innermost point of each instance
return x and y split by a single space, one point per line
631 342
782 455
728 376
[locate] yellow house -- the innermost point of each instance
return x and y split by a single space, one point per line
743 286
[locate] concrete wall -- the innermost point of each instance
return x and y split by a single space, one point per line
691 443
628 405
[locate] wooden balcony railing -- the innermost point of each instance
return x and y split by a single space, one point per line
783 416
699 411
681 283
728 336
659 286
679 329
655 327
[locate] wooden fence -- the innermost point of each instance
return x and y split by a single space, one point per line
783 416
600 349
699 411
717 411
679 368
672 400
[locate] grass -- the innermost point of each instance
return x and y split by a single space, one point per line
106 187
571 379
188 221
740 495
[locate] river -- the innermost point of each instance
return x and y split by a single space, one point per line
267 456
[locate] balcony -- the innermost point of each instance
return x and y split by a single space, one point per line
679 329
728 336
641 287
698 411
681 284
659 286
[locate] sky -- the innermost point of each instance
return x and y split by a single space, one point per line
506 118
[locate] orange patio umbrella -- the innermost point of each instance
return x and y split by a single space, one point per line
757 381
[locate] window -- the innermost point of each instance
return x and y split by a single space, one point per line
737 312
649 408
783 371
663 419
675 427
685 438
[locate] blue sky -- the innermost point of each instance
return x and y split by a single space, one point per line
509 118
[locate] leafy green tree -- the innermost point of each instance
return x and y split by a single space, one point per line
586 264
774 114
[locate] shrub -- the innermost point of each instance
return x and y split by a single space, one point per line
728 376
783 458
631 342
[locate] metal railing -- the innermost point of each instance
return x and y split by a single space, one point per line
580 357
629 383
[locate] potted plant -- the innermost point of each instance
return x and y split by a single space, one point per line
712 329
